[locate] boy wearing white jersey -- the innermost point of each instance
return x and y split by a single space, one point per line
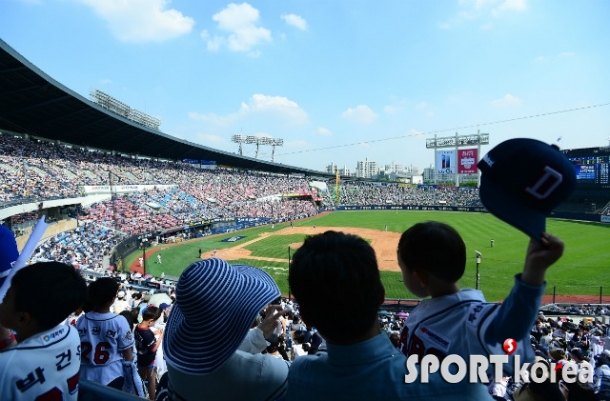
44 364
432 258
106 338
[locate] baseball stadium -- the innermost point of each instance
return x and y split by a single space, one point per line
118 198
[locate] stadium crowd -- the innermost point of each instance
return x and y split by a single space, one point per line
234 337
36 170
366 194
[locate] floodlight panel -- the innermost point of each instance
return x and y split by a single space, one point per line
251 139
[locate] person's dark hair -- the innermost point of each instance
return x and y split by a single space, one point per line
299 337
546 389
434 247
338 269
274 343
129 317
135 312
151 312
137 296
49 292
102 291
578 391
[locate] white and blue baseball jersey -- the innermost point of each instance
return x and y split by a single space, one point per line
43 367
103 337
465 324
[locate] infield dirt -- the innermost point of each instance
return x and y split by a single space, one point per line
383 242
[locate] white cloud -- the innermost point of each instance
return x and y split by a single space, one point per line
487 26
106 81
278 106
507 101
396 106
360 113
141 20
240 21
471 10
421 106
540 58
324 131
295 20
566 54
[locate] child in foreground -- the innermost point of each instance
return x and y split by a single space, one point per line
432 258
45 362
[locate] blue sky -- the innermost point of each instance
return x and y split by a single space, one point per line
339 81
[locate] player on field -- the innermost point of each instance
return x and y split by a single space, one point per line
106 338
44 364
432 258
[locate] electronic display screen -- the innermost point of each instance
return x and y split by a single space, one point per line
591 169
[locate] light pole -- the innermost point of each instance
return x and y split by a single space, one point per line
289 295
144 242
478 256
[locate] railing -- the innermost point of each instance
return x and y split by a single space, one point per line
90 391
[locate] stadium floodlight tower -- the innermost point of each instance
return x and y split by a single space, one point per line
242 139
262 140
275 142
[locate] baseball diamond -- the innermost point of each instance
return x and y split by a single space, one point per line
577 277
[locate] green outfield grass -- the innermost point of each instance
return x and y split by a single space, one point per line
584 267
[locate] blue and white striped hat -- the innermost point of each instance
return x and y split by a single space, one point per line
216 304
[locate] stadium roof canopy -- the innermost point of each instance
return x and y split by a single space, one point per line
33 103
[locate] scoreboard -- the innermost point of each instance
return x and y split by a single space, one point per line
590 166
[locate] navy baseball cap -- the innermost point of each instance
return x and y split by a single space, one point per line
523 180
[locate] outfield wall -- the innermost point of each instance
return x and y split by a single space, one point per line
597 218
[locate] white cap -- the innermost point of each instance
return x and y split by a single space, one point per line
121 294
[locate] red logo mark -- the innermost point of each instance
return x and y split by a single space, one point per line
509 346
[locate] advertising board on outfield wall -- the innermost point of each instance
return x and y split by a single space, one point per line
118 189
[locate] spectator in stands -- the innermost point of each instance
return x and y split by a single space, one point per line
601 376
274 346
106 338
120 304
8 252
361 362
147 341
44 363
8 255
300 347
546 337
543 391
203 360
432 258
